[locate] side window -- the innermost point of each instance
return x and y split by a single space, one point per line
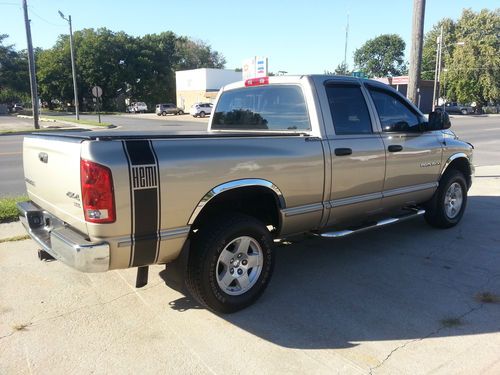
348 109
394 114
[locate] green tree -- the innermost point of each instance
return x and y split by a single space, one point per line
124 66
381 56
472 69
342 70
14 73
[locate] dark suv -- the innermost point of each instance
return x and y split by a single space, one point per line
454 107
168 108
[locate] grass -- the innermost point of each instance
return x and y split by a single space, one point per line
72 120
15 238
487 297
8 209
451 322
20 327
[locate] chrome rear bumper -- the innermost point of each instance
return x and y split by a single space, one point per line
62 242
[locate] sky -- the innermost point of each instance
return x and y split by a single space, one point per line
299 37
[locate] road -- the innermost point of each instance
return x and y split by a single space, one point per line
482 132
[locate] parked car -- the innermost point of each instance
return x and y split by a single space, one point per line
137 107
327 155
201 109
17 108
454 107
168 109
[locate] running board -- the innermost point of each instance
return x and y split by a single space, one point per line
381 223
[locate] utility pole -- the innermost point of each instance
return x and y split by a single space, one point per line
73 69
31 64
437 71
345 47
416 49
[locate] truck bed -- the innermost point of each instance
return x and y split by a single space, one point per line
129 135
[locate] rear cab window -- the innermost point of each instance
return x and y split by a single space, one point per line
272 107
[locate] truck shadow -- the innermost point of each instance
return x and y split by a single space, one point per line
404 282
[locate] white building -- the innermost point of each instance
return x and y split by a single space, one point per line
202 85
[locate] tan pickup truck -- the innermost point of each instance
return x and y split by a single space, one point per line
282 156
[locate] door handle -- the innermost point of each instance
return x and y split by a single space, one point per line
395 148
343 151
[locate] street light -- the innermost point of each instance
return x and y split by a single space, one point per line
75 87
437 72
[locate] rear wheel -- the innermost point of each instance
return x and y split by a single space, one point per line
202 114
447 207
230 263
464 111
181 112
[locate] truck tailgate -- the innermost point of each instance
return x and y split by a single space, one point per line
52 175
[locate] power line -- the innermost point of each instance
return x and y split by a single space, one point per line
43 19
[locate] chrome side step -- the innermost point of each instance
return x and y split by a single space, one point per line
381 223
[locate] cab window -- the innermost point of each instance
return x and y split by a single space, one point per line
269 107
395 115
348 109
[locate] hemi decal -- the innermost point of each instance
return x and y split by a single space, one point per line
145 202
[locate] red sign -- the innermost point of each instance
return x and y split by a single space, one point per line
401 80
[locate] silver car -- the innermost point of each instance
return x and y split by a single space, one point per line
201 109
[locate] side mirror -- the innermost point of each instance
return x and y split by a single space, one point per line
439 120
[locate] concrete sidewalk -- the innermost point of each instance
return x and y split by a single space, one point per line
11 124
407 299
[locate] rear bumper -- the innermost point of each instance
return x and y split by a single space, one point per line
62 242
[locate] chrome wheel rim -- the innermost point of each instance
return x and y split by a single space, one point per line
453 200
239 266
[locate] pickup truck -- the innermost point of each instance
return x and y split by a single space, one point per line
282 156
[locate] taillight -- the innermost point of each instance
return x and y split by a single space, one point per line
97 192
257 81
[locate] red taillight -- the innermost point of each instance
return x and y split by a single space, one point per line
97 192
257 81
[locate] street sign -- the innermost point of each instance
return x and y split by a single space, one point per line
359 75
96 91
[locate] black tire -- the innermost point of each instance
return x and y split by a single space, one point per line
464 112
164 113
435 210
202 114
180 112
206 247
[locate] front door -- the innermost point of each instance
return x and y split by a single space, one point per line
413 154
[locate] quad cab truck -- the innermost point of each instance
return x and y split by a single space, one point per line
282 156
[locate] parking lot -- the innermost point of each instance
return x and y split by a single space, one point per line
404 299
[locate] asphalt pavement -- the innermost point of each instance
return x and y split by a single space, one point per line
483 132
405 299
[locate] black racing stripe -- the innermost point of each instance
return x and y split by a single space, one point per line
159 202
140 152
144 187
146 221
131 205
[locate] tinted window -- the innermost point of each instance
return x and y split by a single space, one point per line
394 114
349 111
278 107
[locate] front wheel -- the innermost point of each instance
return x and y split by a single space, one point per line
202 114
447 207
230 263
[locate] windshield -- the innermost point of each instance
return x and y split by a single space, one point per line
270 107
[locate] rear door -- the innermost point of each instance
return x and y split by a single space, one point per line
356 151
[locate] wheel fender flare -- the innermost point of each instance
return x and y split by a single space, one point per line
455 157
249 182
